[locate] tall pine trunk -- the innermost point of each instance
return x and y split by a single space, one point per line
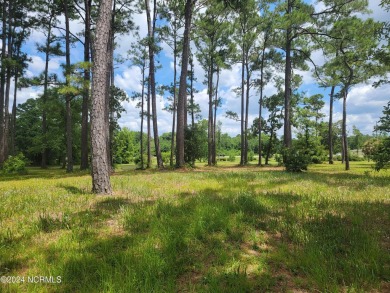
242 160
287 85
210 117
87 78
100 165
174 100
261 102
182 98
8 83
45 150
246 106
192 92
152 71
344 127
330 129
68 97
2 82
215 119
142 117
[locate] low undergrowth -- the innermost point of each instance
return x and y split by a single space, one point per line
220 229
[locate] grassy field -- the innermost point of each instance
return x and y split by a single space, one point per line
217 229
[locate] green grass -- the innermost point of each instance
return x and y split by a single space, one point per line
217 229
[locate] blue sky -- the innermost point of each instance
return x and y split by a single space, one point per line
364 104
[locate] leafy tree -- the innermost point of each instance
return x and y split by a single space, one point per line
139 58
172 11
152 48
384 122
212 41
370 147
357 139
247 29
354 63
125 148
196 142
29 137
381 155
274 122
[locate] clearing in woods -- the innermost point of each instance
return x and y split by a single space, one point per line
220 229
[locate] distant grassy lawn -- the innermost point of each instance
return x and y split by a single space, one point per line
218 229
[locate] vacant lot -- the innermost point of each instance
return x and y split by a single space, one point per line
221 229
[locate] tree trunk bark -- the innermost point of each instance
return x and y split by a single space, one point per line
87 78
330 131
68 97
142 117
153 82
13 116
210 118
44 97
215 119
242 160
287 86
110 84
8 83
247 107
182 98
261 102
174 100
345 140
2 82
192 93
149 151
100 165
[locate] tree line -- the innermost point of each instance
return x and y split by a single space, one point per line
264 37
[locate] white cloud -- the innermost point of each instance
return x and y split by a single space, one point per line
37 64
129 80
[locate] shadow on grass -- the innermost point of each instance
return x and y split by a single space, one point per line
223 240
50 173
72 189
201 242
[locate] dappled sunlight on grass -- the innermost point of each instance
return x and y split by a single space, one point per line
218 229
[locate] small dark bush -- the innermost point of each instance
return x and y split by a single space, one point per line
166 156
355 158
15 164
231 158
295 160
382 155
251 156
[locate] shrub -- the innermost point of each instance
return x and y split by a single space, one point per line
251 156
166 157
382 155
231 158
295 160
352 157
15 164
355 158
137 160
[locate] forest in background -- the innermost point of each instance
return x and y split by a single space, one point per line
264 37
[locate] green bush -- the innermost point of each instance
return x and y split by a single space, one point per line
15 164
232 158
295 160
382 155
137 160
352 157
355 158
251 156
166 157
